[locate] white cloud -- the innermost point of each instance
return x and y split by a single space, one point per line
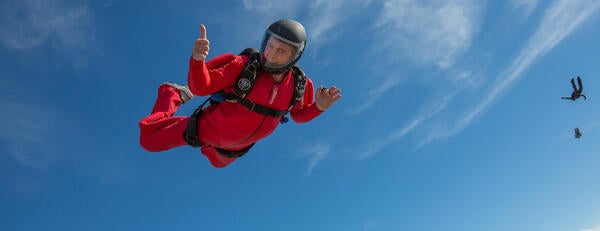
594 125
374 95
558 22
322 15
527 6
316 153
326 16
376 145
269 6
427 33
26 132
589 128
105 170
31 23
369 226
432 32
597 228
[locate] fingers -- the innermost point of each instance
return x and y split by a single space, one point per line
202 31
326 97
332 91
335 94
323 91
202 45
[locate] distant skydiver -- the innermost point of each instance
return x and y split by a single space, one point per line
576 91
577 133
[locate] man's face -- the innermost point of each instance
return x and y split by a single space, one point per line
278 53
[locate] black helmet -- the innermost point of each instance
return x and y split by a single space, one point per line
290 32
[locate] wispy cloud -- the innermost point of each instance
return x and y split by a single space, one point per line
323 16
26 133
269 6
322 23
594 125
374 95
326 16
376 145
559 21
597 228
369 226
106 170
316 153
31 23
591 127
527 6
431 32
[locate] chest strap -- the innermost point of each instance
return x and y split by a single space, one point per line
260 109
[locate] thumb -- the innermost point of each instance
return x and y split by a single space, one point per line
202 31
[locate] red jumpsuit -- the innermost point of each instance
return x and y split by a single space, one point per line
229 126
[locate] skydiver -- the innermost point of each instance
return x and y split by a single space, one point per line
227 130
576 91
577 133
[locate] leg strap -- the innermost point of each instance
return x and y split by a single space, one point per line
234 154
190 135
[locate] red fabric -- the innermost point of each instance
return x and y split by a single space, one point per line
229 126
161 130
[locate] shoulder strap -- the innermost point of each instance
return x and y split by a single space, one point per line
245 81
299 85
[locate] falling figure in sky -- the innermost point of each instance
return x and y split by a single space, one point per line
577 133
576 91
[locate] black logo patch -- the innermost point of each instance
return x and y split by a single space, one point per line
244 84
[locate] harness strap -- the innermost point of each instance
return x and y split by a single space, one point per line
242 87
245 83
234 154
299 86
261 109
190 135
246 79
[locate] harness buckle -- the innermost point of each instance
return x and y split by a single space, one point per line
252 106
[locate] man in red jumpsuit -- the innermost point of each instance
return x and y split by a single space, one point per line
230 126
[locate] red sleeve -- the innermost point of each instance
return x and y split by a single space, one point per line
205 78
306 110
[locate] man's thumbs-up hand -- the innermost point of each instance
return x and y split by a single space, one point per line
201 46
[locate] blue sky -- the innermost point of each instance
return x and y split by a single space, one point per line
451 118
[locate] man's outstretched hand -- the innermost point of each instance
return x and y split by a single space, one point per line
326 97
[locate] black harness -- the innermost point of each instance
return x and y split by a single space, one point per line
242 87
